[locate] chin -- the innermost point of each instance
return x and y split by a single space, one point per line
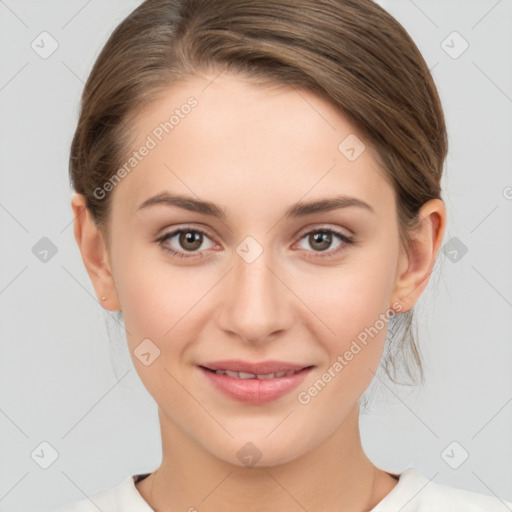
258 452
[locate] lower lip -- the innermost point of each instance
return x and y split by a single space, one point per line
256 391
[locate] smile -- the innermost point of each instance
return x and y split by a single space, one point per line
245 375
254 388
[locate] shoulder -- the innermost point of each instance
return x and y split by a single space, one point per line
416 493
123 497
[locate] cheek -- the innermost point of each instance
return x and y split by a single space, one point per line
353 306
352 297
144 292
159 299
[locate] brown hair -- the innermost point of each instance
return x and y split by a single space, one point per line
350 52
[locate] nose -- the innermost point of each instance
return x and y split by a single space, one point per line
256 304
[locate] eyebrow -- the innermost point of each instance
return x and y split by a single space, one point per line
301 209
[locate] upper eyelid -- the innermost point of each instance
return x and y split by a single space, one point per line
175 231
301 232
314 229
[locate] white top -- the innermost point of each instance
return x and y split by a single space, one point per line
413 493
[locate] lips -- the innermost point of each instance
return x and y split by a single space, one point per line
254 383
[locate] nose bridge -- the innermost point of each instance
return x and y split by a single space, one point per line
255 305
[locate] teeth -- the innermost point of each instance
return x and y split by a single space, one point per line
245 375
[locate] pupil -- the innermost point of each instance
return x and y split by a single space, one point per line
324 239
191 237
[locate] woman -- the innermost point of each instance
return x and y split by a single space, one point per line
258 193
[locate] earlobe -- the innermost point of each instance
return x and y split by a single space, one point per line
417 262
91 244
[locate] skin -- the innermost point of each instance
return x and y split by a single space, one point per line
256 150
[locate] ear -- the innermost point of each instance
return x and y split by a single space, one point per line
94 252
417 261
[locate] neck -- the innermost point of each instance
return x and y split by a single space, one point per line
336 475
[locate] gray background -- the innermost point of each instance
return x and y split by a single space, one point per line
66 376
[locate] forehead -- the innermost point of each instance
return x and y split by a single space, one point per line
232 141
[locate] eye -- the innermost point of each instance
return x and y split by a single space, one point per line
322 239
188 239
191 239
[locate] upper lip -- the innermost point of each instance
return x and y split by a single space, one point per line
260 368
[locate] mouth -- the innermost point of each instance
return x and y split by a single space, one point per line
254 383
249 369
247 375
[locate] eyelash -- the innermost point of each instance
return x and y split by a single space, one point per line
344 238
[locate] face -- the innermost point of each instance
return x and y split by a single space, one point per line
257 281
